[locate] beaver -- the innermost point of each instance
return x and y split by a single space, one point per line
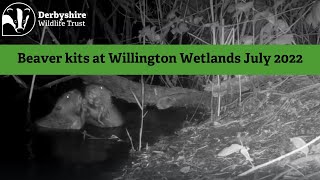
99 109
66 114
73 109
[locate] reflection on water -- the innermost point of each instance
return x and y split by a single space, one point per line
70 154
62 154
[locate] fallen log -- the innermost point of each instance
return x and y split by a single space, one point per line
162 97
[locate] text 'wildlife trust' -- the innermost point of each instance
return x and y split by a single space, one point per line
151 60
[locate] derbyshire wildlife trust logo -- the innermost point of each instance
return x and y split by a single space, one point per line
18 19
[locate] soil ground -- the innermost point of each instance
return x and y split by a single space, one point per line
268 124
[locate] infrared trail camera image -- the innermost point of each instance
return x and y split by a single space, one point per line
104 127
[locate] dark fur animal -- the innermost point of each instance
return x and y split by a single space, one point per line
66 114
99 109
73 110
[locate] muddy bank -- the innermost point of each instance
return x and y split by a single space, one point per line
258 139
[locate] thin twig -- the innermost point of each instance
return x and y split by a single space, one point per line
142 113
29 123
211 100
279 158
50 84
219 96
43 34
130 138
20 81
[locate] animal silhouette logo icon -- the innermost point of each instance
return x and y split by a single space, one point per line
18 19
